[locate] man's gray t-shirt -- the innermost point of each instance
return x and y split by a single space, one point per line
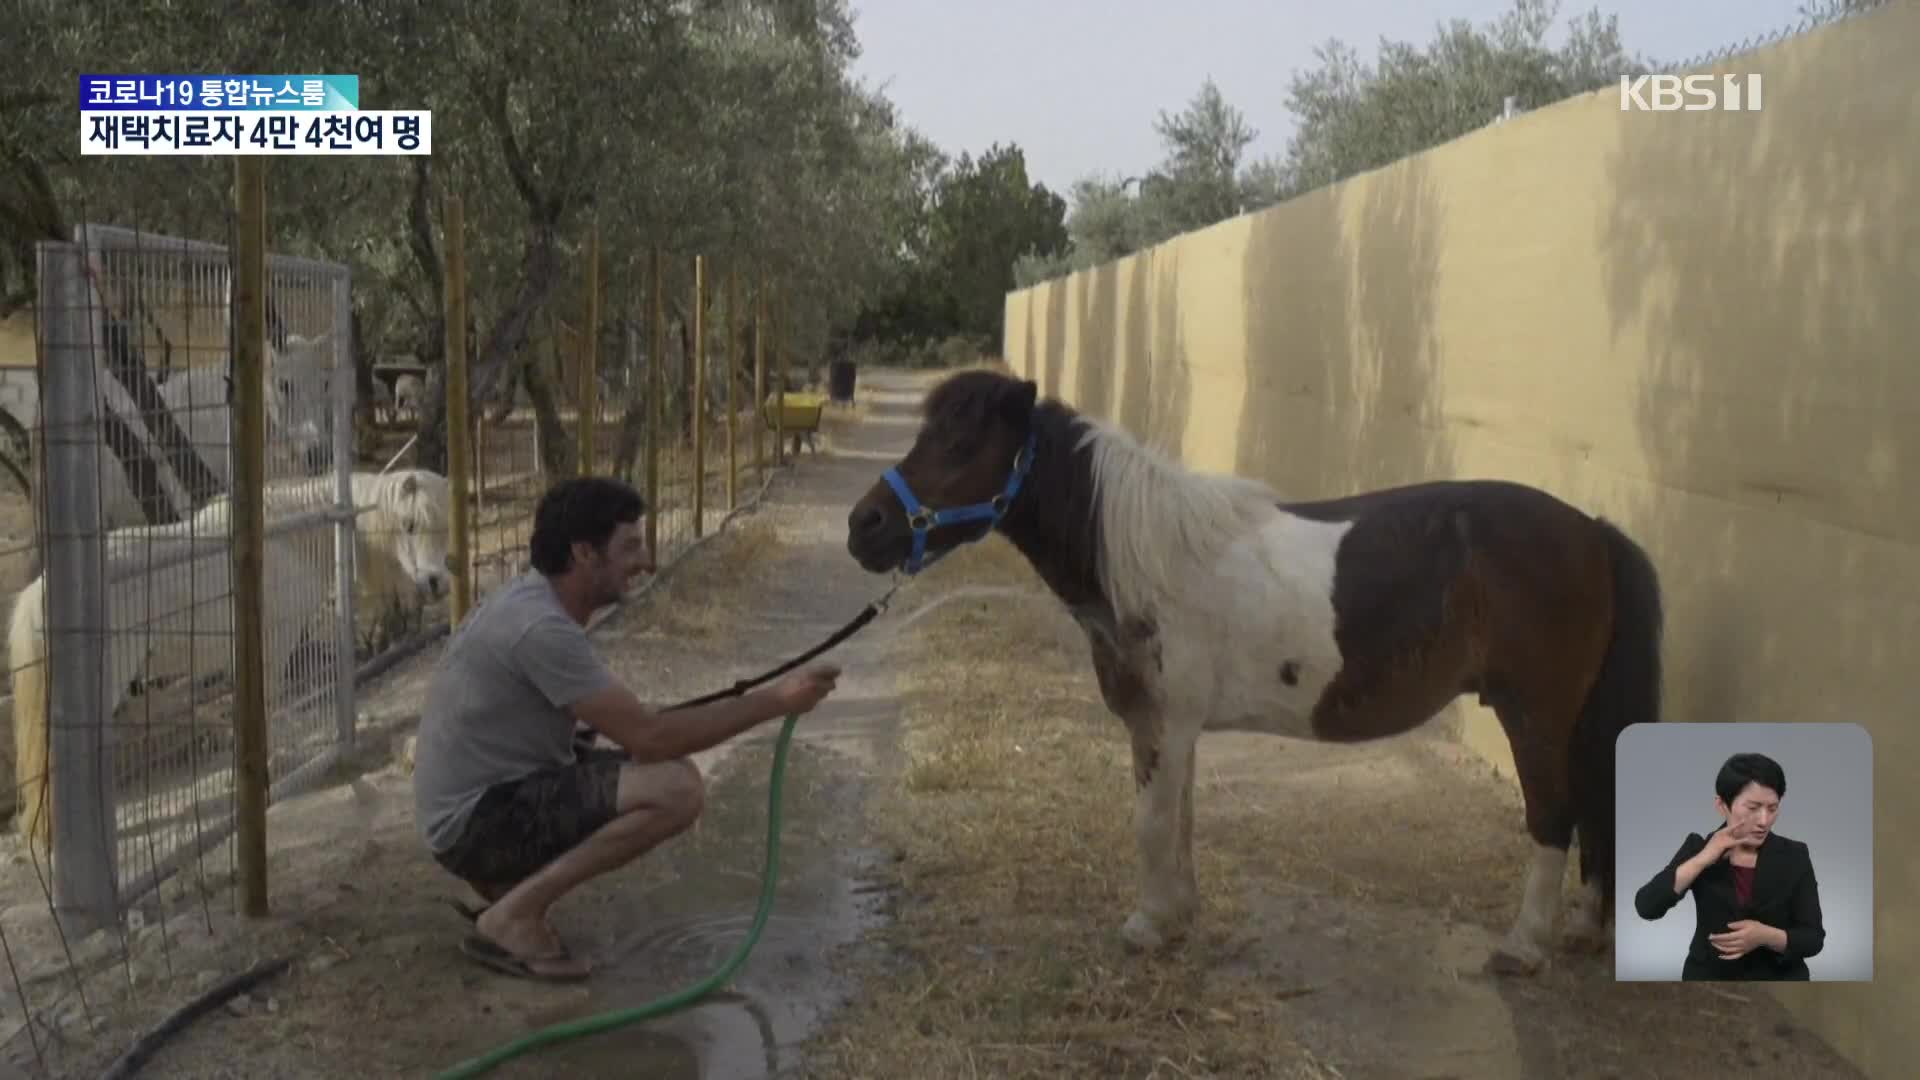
496 709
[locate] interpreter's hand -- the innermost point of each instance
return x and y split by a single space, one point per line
799 691
1742 937
1723 841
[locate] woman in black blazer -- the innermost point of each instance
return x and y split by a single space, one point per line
1755 900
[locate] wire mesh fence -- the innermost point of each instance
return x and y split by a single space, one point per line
164 616
121 634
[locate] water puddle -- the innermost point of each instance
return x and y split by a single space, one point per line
659 941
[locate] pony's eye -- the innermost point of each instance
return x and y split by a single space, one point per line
412 527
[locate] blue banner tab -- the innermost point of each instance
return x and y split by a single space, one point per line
219 93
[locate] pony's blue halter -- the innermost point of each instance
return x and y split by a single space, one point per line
923 520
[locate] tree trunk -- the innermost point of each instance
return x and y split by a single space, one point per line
494 367
31 212
126 365
686 378
17 457
363 377
556 449
430 439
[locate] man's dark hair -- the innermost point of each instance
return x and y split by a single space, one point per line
580 509
1743 769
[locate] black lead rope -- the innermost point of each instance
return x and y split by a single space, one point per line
866 616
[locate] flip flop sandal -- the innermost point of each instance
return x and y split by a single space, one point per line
469 912
485 952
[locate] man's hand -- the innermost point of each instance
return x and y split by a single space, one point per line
652 734
1745 935
800 691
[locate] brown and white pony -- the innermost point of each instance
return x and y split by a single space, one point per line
1211 604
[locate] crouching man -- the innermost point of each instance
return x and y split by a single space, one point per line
505 796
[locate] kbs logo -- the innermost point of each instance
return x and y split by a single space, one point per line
1690 93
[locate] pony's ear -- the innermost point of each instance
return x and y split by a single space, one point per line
1019 401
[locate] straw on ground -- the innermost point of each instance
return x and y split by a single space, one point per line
1012 817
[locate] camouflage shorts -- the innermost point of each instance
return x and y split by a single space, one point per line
521 825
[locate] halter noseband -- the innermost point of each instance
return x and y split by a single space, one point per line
924 520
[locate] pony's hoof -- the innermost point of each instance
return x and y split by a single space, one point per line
1140 933
1513 959
1585 929
1583 940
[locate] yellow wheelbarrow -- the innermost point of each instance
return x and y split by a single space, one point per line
798 415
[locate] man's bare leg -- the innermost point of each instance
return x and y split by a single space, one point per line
656 802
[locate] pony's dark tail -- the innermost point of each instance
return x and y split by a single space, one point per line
1627 691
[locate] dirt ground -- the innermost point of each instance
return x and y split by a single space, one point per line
957 860
377 985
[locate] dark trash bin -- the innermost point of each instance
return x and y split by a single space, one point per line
840 381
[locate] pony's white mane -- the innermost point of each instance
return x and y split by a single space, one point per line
1159 520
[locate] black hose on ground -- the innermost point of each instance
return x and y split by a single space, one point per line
221 993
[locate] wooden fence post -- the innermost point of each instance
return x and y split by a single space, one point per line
733 376
759 379
699 394
247 524
459 463
780 380
656 415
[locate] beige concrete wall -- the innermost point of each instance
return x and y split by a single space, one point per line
1705 326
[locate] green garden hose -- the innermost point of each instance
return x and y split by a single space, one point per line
606 1021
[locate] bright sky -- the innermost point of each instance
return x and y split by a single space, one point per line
1078 83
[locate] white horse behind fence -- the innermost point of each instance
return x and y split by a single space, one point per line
177 619
299 408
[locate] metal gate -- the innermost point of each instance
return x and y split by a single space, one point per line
134 387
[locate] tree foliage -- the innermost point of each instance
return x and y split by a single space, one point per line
1199 180
731 129
980 215
1350 116
1355 117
